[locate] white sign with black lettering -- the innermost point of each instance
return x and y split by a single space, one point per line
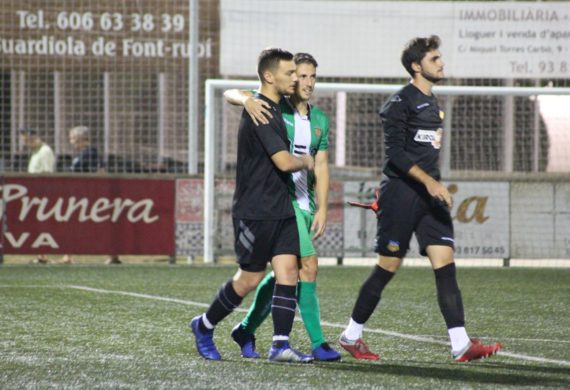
365 38
481 214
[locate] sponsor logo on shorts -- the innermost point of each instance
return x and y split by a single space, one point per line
393 246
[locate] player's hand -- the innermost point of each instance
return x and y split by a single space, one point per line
308 161
319 223
439 192
258 110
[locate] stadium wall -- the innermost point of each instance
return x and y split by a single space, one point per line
122 69
146 216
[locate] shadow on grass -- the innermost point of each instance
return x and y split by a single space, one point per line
474 373
530 368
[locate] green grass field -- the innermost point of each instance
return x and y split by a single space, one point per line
91 326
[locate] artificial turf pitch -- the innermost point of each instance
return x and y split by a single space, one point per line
92 326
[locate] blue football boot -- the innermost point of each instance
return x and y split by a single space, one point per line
324 353
204 341
246 342
286 354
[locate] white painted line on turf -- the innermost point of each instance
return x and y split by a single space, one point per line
137 295
30 286
390 333
436 337
534 358
329 324
434 341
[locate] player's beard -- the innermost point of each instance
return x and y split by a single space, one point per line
431 78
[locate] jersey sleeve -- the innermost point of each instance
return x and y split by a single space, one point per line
267 135
394 117
324 144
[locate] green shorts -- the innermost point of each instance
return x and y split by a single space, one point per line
304 222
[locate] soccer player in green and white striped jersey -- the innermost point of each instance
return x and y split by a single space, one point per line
307 129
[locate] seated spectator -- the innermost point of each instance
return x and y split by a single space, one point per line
42 160
86 160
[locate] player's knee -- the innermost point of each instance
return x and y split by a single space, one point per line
439 255
245 283
308 268
243 287
307 274
287 275
391 264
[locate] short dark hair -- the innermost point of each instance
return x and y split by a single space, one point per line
305 58
28 131
416 50
269 60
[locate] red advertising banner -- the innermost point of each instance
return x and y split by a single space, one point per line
95 216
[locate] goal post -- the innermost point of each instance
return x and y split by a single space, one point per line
486 109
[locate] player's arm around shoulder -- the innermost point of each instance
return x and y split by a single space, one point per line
258 110
286 162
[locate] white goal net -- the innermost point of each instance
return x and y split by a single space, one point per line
498 160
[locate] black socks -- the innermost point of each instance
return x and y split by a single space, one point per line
370 293
224 303
449 296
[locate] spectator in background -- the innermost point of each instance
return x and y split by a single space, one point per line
42 160
86 161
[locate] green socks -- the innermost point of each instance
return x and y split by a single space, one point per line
310 311
261 306
308 307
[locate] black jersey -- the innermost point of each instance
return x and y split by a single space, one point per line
413 128
261 188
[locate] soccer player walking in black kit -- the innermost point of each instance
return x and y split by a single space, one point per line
412 199
265 227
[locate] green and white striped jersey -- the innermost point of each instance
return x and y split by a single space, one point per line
307 134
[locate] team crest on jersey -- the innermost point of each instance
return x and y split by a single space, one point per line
318 131
393 246
430 136
441 115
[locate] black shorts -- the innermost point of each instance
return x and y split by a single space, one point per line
258 241
406 208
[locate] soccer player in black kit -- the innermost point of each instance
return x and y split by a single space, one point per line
265 227
412 199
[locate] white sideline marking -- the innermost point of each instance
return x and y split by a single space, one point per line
330 324
425 339
146 296
436 337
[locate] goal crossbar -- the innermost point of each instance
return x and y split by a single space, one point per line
214 85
